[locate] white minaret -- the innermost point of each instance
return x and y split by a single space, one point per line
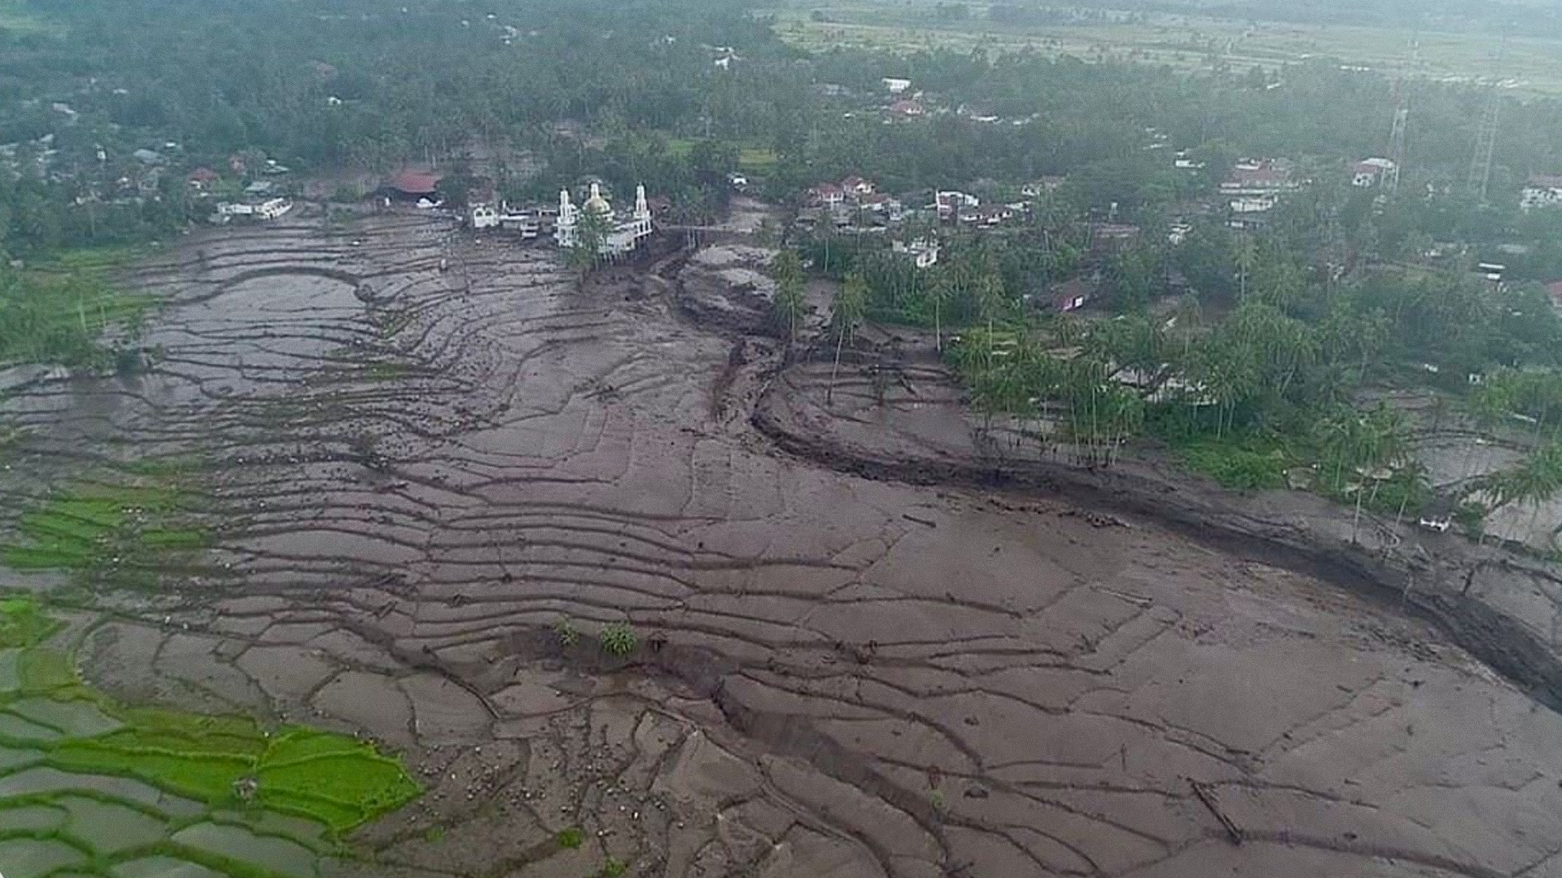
642 209
564 229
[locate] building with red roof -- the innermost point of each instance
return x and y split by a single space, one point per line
411 183
203 178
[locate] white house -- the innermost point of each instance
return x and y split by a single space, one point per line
1541 191
950 202
483 215
273 208
896 86
923 251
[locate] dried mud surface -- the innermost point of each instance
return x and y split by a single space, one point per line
838 676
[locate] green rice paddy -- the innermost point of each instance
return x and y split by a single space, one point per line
121 529
92 787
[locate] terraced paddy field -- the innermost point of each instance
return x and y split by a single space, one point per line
631 595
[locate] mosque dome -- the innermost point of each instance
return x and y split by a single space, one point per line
597 204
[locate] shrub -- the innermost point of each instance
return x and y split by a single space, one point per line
569 839
618 639
565 629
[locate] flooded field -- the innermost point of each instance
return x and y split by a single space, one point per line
531 537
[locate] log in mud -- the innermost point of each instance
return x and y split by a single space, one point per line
850 656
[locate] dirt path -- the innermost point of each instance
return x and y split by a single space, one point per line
836 676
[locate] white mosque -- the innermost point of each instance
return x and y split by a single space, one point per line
624 232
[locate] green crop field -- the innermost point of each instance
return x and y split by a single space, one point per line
1526 64
93 787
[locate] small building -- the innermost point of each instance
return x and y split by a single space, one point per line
908 109
1071 295
148 157
1370 172
202 179
885 205
415 185
857 187
1542 190
482 215
896 86
1259 177
260 188
273 208
826 195
949 203
922 251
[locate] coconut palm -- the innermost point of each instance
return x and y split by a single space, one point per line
851 303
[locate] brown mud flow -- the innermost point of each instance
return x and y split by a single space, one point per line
432 514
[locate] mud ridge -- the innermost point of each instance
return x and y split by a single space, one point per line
1500 641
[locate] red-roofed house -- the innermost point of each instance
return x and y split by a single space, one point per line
203 178
1542 190
410 183
908 109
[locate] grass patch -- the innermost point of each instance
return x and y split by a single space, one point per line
121 532
23 623
754 160
570 839
227 763
1242 463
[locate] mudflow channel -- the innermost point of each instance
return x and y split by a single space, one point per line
429 504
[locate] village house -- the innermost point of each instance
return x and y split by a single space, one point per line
1554 290
950 202
884 205
202 179
826 195
896 86
987 216
414 185
922 251
908 109
857 187
1071 295
1542 190
1371 172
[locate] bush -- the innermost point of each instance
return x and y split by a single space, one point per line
569 839
1239 464
619 640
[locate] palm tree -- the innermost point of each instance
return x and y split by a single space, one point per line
938 293
851 303
1245 258
788 305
